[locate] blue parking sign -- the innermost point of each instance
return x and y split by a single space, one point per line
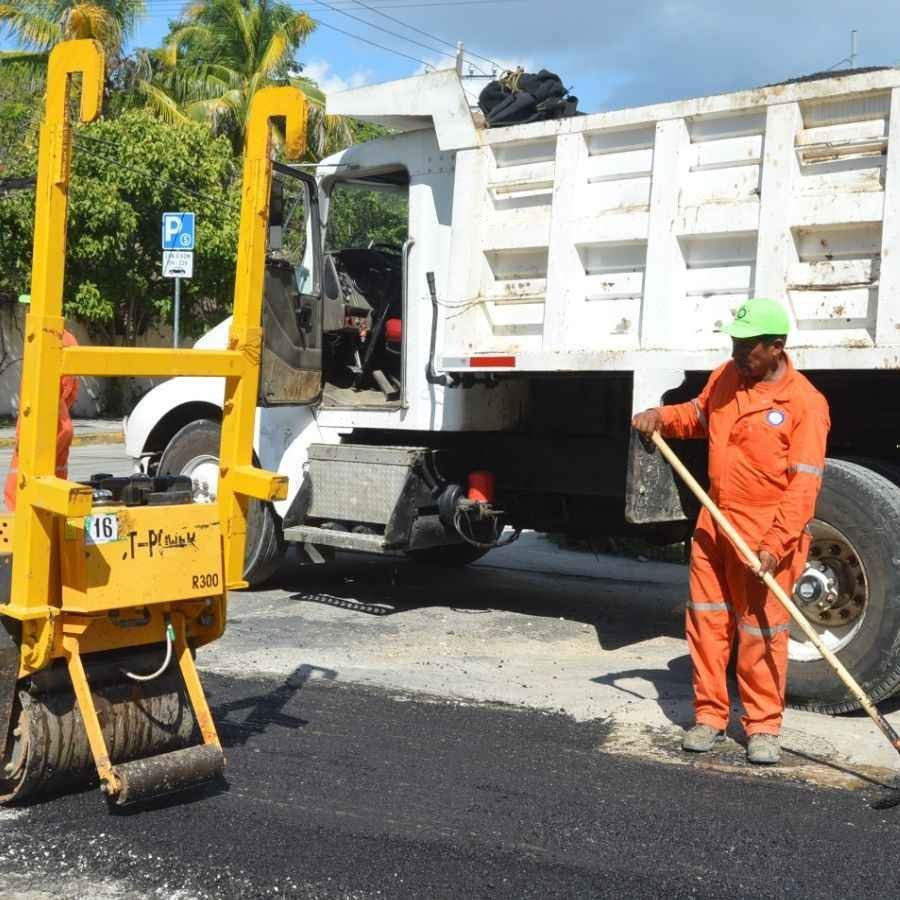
178 231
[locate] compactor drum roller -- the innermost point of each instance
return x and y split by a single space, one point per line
108 588
49 749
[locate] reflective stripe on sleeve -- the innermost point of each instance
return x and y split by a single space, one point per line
700 414
762 632
806 468
708 607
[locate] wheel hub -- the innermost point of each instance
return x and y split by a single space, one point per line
203 471
832 592
817 594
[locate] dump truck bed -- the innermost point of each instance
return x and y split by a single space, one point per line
624 239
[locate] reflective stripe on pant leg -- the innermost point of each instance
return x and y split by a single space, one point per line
703 606
709 625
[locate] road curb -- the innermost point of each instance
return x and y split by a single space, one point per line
80 440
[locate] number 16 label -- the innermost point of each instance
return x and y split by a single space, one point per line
101 529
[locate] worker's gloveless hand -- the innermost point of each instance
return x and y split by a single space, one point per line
647 422
767 564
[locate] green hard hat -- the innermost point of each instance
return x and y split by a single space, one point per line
24 298
757 317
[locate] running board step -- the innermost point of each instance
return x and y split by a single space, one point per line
342 540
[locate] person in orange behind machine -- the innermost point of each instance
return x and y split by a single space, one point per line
68 393
767 427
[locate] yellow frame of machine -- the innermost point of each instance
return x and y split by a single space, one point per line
42 497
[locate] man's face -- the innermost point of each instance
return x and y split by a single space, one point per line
753 358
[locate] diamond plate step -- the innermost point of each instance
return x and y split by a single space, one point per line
342 540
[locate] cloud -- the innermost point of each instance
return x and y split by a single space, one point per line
622 53
331 83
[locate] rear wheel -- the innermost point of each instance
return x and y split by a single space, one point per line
850 591
194 451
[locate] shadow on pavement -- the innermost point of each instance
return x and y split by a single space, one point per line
265 709
670 684
622 613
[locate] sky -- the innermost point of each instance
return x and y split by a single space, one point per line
611 54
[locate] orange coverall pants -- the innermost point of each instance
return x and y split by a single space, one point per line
766 461
729 602
68 393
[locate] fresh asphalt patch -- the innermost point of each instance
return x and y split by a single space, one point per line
338 790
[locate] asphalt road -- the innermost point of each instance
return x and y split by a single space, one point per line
336 790
506 731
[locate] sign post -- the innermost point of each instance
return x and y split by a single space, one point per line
176 312
178 256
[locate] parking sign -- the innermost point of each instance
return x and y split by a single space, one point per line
178 231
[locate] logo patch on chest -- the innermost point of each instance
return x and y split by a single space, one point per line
775 417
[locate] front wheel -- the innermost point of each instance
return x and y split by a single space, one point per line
850 591
194 451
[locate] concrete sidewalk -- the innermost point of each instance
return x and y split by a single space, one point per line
87 431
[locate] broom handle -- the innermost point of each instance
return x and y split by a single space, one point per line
801 620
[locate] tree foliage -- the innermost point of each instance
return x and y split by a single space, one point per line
221 53
125 173
171 139
38 25
19 89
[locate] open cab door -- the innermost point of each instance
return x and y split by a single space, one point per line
291 370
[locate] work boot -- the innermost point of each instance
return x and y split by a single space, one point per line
701 738
764 749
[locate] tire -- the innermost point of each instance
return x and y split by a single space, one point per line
888 470
450 556
194 450
863 508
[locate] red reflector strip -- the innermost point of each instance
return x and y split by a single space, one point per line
492 362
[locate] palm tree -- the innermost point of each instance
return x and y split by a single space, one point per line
38 25
221 53
325 134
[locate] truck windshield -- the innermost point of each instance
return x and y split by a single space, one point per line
367 214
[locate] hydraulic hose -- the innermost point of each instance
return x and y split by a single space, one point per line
170 640
486 545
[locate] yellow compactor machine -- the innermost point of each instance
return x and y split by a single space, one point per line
107 588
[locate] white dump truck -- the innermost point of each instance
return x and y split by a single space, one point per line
460 321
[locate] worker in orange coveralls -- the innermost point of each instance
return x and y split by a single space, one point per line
767 427
68 393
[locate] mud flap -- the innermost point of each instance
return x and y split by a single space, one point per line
651 492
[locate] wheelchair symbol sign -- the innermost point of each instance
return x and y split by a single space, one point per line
178 231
